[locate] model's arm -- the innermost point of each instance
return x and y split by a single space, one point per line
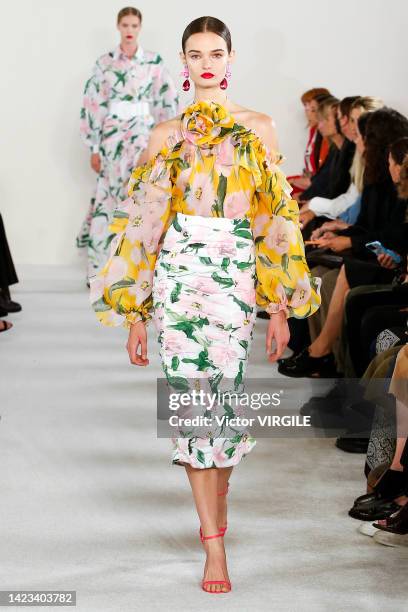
284 284
93 112
121 294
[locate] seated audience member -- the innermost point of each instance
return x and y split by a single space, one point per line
8 277
333 178
317 148
346 205
381 218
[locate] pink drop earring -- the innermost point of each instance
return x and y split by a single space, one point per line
185 73
224 82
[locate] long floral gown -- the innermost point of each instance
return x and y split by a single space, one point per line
118 134
208 232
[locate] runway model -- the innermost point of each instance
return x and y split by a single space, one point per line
209 231
128 93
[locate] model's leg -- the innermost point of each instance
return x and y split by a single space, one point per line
204 484
323 344
223 479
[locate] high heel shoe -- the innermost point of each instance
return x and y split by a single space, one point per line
205 582
222 529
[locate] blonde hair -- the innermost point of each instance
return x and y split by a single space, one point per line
357 171
369 103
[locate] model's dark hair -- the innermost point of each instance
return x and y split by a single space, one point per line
346 103
399 150
207 24
384 126
129 10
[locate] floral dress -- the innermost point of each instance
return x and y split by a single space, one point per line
208 232
124 98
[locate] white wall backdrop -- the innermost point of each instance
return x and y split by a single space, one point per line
48 48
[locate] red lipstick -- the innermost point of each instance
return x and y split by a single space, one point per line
207 75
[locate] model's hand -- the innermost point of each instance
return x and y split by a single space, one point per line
96 162
278 329
137 338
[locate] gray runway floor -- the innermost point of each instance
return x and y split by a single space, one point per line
90 501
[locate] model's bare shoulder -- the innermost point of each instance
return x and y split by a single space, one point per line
265 127
159 135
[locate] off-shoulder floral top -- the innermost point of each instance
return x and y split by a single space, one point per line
214 167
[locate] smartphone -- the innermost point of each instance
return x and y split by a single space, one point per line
377 248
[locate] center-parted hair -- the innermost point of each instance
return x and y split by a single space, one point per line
207 24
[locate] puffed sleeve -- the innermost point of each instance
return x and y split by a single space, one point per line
284 281
94 108
121 293
165 96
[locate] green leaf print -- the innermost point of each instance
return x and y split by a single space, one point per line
265 261
241 245
179 383
175 362
174 296
224 282
201 362
259 239
108 134
163 89
285 264
244 344
200 456
100 305
118 151
120 285
243 305
176 225
225 263
243 234
120 77
221 192
243 265
187 327
205 260
194 246
238 378
297 257
215 380
230 451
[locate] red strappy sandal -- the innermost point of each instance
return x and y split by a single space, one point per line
222 529
205 582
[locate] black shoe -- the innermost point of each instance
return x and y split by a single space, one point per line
352 445
261 314
377 510
3 312
9 305
331 403
303 365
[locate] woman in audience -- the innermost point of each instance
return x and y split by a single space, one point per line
317 147
334 208
382 214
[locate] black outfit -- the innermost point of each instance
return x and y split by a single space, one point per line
380 215
8 275
333 178
366 315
